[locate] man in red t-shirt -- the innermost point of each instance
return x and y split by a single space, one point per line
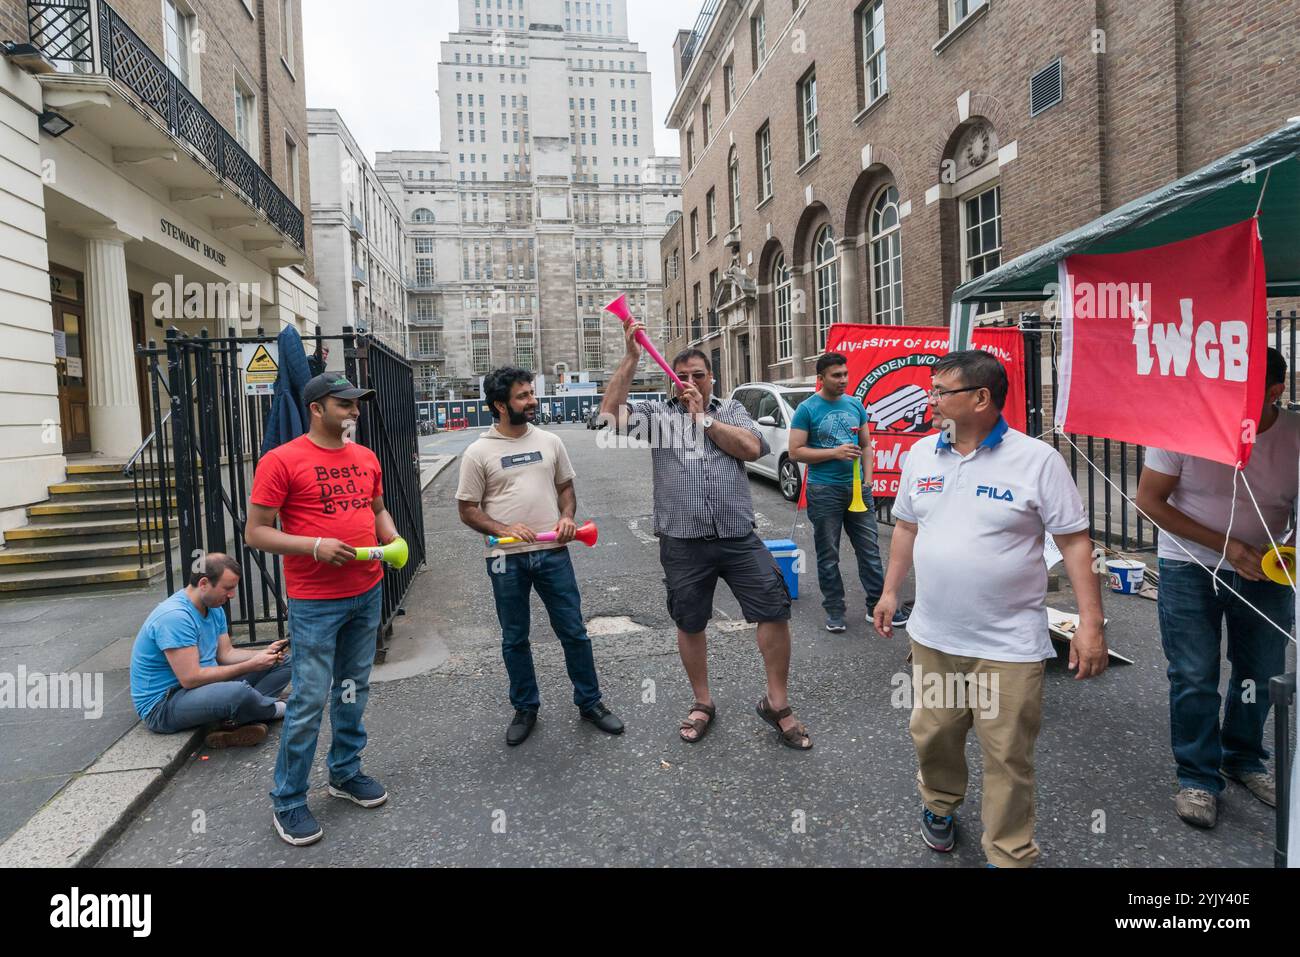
328 494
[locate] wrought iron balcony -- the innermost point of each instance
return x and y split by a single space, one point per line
357 226
420 284
425 322
89 37
358 275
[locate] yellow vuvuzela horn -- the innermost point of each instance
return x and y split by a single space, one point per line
394 553
857 505
1279 564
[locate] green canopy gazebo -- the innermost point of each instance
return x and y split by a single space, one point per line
1263 175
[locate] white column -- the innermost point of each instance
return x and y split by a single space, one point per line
110 352
849 305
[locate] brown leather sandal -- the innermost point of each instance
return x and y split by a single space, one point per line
796 736
700 725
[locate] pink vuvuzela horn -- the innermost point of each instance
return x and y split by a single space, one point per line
619 308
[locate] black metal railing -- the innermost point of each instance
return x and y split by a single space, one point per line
702 24
149 470
389 427
63 30
194 473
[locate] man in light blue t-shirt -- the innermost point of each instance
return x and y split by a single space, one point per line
185 672
829 433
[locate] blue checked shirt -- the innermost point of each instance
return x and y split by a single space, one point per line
700 490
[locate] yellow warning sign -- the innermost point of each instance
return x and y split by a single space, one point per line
262 361
260 367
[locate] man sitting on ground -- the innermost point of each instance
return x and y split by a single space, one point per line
185 672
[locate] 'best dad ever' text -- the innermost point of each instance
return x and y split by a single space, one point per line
333 494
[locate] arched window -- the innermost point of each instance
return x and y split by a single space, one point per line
733 186
422 215
886 259
782 287
826 283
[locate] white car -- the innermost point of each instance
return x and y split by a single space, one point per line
772 407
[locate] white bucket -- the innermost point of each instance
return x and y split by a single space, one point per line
1125 575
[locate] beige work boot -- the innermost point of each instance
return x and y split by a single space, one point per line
1258 783
1197 807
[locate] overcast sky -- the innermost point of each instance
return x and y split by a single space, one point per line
379 69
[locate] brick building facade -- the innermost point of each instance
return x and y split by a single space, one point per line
847 161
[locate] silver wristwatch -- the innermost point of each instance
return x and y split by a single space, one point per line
706 422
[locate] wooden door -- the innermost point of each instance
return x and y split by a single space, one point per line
74 397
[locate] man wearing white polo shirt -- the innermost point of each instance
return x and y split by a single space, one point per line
974 502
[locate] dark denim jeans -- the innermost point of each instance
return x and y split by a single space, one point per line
333 643
1191 620
251 698
550 571
828 510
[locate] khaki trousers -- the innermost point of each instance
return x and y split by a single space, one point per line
1007 712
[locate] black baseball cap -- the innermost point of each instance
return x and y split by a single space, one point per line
331 383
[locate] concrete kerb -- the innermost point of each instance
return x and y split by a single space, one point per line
76 826
434 469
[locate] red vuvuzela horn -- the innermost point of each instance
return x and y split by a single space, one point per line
619 308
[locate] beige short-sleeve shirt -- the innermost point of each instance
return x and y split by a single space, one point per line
515 481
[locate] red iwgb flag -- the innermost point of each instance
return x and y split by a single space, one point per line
1166 346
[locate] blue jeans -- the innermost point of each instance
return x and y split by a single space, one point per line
250 698
550 571
1191 619
333 643
828 510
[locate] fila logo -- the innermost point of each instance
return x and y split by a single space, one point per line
998 495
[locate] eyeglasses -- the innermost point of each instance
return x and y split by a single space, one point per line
698 376
940 393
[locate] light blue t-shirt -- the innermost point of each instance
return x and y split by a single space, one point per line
829 425
175 623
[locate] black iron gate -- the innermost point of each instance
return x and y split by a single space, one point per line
192 475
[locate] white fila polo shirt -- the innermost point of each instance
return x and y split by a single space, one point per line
981 581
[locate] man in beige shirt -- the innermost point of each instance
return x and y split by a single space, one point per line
517 481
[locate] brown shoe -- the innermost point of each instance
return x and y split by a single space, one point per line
244 736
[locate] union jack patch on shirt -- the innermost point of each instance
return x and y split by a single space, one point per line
931 483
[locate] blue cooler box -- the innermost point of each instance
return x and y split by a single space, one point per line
786 554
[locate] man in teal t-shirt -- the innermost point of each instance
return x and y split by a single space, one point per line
829 433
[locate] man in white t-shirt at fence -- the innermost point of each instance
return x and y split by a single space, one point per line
974 503
1191 500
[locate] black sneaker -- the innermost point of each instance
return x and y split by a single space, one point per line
603 718
521 727
362 789
940 833
297 826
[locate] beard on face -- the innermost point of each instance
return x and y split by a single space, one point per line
523 418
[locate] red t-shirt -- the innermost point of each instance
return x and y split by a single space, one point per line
325 492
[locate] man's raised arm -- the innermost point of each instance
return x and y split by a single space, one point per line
614 405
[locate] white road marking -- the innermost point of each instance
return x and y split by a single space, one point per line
634 525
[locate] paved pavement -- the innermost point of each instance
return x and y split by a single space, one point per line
571 795
42 750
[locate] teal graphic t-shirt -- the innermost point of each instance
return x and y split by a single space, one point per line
830 424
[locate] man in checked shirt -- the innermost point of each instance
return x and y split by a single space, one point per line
704 519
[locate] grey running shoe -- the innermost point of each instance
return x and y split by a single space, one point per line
940 833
